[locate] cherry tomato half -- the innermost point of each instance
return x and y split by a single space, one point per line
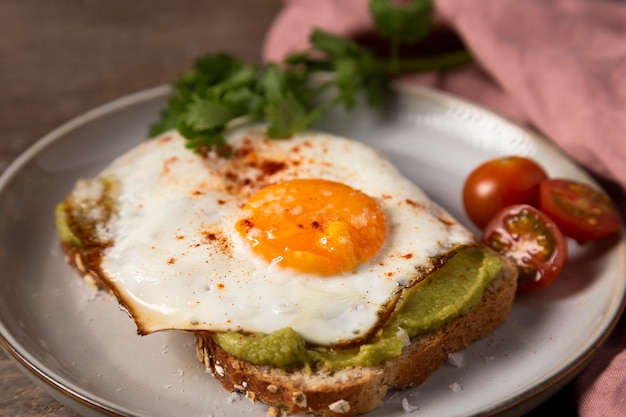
501 182
532 241
581 211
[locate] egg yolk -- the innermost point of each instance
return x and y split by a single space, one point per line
313 225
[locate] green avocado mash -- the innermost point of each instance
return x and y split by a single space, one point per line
447 293
90 204
62 224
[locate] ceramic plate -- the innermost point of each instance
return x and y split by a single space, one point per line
83 350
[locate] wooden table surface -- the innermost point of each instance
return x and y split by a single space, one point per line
60 58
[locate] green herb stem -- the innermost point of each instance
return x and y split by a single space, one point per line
440 62
221 89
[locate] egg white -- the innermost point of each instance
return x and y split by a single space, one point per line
177 262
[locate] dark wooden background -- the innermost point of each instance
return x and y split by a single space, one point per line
60 58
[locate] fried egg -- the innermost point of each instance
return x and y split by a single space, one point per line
316 232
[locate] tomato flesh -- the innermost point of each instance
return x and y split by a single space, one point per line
532 241
498 183
581 211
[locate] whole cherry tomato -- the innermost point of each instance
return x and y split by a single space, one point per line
501 182
582 212
532 241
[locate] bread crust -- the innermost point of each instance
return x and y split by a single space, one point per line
353 391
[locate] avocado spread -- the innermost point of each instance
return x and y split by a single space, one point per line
444 295
63 228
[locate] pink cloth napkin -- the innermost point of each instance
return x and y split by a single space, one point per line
558 66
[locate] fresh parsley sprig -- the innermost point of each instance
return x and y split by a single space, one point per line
220 89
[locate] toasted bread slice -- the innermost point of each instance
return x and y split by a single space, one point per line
353 391
350 391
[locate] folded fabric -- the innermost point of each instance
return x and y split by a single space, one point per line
558 66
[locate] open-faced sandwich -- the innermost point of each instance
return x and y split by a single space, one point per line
314 276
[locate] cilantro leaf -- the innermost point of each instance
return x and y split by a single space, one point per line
287 102
353 65
289 96
218 89
407 21
336 45
206 113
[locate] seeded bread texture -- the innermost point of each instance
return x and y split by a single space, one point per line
350 391
353 391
